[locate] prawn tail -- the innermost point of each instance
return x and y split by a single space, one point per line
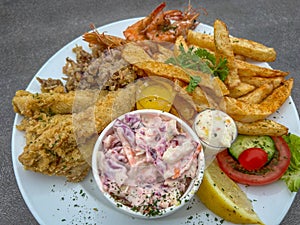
102 40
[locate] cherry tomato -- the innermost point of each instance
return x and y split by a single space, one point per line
253 158
269 173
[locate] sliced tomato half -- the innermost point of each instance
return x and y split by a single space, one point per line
266 175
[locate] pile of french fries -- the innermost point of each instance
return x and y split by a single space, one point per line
250 93
255 92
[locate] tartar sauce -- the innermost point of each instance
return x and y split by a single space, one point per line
148 162
215 128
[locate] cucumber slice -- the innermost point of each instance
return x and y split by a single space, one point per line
243 142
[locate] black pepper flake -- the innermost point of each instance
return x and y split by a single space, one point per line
189 207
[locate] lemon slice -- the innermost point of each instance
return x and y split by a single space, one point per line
225 198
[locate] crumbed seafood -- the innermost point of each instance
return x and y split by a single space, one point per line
106 71
29 104
61 145
51 85
51 147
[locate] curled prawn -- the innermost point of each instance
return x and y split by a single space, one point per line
135 32
163 26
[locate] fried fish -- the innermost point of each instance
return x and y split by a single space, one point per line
29 104
62 144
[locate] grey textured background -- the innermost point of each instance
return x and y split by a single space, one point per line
32 31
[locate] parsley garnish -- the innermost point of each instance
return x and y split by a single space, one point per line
189 60
218 70
194 81
200 60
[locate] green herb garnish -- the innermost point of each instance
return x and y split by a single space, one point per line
200 60
194 81
189 60
218 70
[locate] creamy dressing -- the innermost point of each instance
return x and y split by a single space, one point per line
147 162
215 128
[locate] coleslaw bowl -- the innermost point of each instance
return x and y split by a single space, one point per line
150 170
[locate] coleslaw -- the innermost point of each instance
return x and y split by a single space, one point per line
147 162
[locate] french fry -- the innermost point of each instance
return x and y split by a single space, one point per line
253 50
220 87
174 72
259 94
262 127
259 81
244 112
224 50
241 89
164 70
200 99
247 48
250 112
221 39
179 84
180 41
184 106
196 46
200 39
240 57
278 96
165 52
134 53
248 69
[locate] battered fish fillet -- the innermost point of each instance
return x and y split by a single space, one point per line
30 104
51 147
62 144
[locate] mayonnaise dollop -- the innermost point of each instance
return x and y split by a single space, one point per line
215 128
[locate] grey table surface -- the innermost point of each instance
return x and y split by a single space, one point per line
32 31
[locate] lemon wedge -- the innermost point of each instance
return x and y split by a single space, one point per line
225 198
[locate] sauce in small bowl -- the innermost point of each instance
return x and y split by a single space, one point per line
216 130
155 93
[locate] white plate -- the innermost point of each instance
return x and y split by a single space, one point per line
54 201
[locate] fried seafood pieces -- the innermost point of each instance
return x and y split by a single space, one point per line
62 144
51 147
30 104
105 70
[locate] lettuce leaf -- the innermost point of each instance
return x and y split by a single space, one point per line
292 175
